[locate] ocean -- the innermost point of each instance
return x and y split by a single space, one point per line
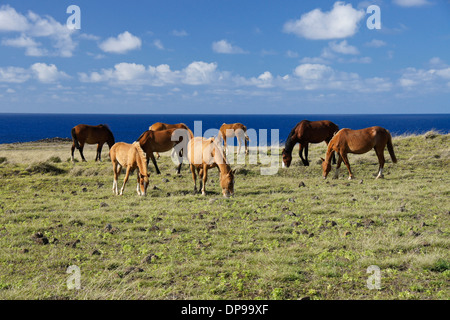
127 128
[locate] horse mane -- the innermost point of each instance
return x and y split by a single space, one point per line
289 145
140 137
107 128
141 152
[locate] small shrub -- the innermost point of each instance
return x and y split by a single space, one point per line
3 159
44 167
54 159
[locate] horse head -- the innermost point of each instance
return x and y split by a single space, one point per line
287 158
227 183
326 168
143 183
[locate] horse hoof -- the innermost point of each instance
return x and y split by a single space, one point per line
351 178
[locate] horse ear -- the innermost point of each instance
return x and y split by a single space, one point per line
148 174
323 160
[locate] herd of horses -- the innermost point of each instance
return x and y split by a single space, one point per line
204 154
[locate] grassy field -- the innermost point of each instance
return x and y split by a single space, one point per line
291 235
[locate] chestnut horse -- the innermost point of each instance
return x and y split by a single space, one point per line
232 130
204 154
100 134
162 141
158 126
306 132
131 156
358 142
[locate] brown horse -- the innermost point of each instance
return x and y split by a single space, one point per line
100 134
306 132
162 141
232 130
204 154
131 156
358 142
158 126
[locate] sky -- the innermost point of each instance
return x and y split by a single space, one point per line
225 57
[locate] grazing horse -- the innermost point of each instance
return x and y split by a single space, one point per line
358 142
158 126
100 134
232 130
131 156
204 154
306 132
162 141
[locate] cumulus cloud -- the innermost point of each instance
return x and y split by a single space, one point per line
343 47
223 46
47 73
375 43
123 43
341 22
42 72
196 73
34 26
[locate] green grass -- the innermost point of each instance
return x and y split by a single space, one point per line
273 240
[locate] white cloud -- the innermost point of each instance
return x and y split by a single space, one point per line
223 46
291 54
158 44
123 43
32 47
179 33
411 3
312 71
343 47
14 75
42 72
34 26
11 20
341 22
47 73
375 43
199 72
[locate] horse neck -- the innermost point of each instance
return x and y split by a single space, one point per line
330 149
141 159
290 142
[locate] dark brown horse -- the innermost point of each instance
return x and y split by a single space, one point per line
359 142
162 141
99 135
306 132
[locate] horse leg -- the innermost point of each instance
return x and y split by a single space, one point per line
72 150
306 155
336 174
194 177
116 169
180 159
204 178
125 179
347 163
300 153
99 152
138 190
154 162
381 161
81 152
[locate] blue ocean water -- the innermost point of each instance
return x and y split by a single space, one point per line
127 128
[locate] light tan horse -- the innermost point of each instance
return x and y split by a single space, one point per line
158 126
162 141
232 130
204 154
130 156
358 142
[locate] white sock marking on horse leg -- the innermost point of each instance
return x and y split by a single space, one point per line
380 174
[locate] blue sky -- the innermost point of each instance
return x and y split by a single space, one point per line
225 57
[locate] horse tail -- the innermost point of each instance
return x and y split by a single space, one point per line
391 148
75 139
